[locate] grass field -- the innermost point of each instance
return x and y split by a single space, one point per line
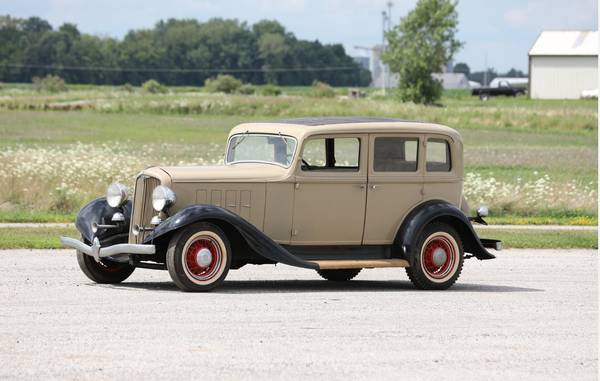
530 161
47 238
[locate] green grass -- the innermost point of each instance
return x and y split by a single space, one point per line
558 217
34 238
47 238
543 239
28 216
508 139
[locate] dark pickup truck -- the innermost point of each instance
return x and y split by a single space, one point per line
504 88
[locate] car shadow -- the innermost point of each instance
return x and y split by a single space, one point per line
304 286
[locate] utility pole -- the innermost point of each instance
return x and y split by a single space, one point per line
384 22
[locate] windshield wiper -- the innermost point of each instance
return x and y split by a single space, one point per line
287 146
240 140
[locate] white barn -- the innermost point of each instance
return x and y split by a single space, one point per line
562 64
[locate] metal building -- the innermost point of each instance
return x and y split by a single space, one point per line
563 64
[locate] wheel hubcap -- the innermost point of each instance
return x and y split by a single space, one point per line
203 258
439 257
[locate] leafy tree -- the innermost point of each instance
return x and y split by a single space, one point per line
272 50
420 45
515 73
189 50
462 67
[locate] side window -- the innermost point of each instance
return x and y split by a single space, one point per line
438 156
340 154
395 154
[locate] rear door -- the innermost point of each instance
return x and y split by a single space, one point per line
395 184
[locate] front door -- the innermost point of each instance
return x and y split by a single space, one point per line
330 191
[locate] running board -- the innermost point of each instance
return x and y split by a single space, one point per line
360 264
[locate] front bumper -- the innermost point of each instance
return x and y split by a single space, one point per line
98 252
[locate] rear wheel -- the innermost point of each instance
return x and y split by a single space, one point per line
198 257
438 258
341 275
105 271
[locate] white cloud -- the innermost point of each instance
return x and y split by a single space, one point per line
554 14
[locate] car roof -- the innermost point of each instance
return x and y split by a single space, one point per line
302 127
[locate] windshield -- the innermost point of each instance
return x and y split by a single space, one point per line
275 149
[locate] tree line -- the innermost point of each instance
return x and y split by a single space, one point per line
174 52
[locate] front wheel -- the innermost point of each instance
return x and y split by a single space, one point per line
198 257
438 258
105 271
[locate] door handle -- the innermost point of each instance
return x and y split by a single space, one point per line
362 186
373 187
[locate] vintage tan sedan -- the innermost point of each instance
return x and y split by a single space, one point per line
334 195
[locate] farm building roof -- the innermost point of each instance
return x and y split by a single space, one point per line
566 43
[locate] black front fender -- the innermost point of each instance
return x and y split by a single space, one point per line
408 235
100 212
256 239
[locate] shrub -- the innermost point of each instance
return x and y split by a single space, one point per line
246 89
128 88
224 83
322 90
153 87
50 84
270 90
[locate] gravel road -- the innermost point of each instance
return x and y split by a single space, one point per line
530 314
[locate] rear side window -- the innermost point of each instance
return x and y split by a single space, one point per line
438 156
395 154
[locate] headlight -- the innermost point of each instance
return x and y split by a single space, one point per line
162 198
116 195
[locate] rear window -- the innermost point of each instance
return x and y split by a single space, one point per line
438 156
395 154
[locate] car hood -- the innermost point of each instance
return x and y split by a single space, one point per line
242 172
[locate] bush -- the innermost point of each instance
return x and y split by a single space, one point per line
246 89
224 83
50 84
270 90
153 87
322 90
128 88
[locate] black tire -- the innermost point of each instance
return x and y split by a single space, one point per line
431 272
183 264
105 271
341 275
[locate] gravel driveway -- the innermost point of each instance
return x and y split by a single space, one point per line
530 314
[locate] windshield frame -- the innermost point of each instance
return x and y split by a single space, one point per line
278 135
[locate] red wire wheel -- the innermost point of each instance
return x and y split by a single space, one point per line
203 257
440 257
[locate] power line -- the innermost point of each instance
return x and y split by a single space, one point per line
169 70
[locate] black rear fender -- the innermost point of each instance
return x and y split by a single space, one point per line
437 211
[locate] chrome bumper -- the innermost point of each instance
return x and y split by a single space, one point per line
102 252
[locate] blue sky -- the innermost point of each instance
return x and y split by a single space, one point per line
502 30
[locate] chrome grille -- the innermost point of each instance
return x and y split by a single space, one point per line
142 211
